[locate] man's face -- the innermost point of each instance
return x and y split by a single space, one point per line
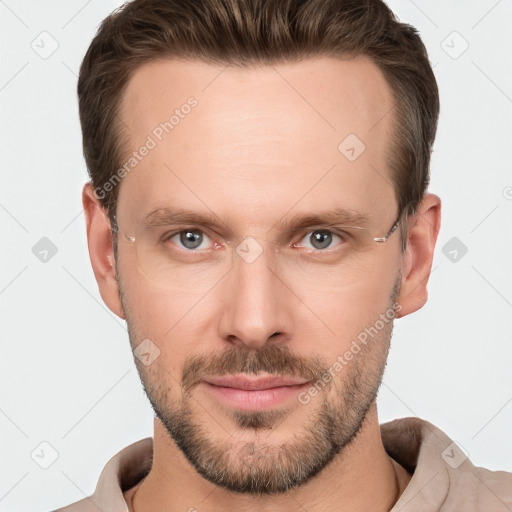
259 147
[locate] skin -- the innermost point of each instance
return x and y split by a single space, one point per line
274 129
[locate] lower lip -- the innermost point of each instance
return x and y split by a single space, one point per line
250 400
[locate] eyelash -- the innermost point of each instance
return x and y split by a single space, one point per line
344 236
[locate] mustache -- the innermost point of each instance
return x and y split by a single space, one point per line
272 359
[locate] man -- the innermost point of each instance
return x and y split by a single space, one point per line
258 213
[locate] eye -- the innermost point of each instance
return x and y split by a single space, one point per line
189 239
320 239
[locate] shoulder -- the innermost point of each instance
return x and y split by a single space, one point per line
477 488
123 471
85 505
443 476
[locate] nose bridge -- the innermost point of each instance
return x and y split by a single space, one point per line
255 305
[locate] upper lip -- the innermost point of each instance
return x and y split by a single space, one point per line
259 383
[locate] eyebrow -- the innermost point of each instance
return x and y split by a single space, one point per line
338 216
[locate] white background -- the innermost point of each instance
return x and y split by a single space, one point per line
67 374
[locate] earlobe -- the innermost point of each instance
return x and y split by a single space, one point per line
417 261
101 253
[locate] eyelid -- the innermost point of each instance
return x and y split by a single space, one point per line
173 232
330 229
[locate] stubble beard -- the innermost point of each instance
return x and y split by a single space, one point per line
257 466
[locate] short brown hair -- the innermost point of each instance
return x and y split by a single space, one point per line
247 32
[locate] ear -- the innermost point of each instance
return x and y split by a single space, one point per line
417 260
101 252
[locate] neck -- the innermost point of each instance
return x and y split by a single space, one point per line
174 485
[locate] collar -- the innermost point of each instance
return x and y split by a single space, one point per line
417 445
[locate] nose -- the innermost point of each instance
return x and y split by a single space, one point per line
255 299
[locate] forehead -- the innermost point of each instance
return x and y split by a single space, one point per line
260 139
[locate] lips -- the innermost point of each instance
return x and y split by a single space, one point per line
254 384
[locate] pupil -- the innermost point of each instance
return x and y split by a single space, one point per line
321 239
189 239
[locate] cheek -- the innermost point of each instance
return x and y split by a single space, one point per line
368 289
165 317
328 316
162 314
154 316
156 310
341 314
